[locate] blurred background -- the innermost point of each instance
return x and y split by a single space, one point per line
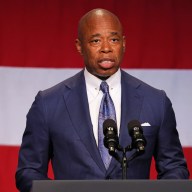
37 50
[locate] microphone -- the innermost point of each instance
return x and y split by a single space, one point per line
136 132
111 140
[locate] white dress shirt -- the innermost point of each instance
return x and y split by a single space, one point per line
95 95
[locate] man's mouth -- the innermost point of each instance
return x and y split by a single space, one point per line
106 63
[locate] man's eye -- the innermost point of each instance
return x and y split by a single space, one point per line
115 40
95 41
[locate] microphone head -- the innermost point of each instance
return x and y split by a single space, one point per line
109 123
110 140
134 124
136 133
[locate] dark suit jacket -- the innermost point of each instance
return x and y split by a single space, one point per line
59 128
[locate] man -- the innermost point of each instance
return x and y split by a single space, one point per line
62 124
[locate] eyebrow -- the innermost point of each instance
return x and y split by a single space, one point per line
114 33
98 34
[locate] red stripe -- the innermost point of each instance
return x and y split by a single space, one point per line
42 33
8 162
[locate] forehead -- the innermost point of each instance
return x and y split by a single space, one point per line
101 24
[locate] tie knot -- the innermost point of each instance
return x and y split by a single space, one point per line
104 87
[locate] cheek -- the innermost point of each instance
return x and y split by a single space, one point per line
120 53
120 50
90 60
92 56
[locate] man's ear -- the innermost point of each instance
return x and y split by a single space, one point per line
78 46
124 43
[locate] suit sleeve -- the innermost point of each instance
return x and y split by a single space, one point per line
35 149
170 161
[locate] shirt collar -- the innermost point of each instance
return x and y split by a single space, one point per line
93 83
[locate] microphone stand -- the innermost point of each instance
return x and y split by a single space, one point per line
124 160
124 164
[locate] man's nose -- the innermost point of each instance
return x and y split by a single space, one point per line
106 47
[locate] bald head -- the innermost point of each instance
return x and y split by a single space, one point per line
96 14
100 42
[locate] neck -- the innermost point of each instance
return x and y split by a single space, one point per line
102 77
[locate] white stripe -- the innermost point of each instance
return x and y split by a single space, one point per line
18 87
178 87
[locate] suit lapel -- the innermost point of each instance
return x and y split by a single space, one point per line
130 107
131 103
77 105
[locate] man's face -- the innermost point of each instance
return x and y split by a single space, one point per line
101 45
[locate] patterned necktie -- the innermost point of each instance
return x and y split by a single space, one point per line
106 111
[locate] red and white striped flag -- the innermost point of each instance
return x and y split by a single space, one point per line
37 51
